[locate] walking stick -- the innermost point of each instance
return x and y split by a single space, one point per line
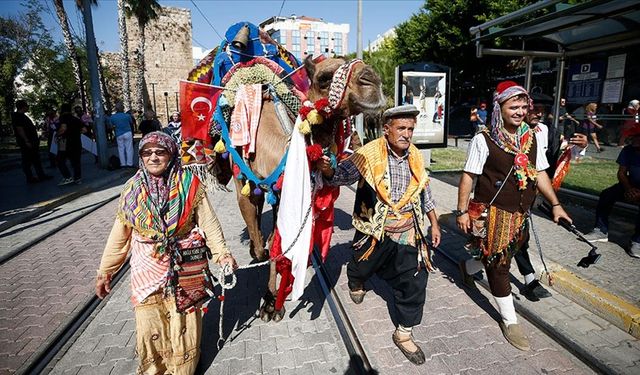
592 257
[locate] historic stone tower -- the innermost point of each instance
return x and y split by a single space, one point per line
168 58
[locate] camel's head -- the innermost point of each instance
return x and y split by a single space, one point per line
362 92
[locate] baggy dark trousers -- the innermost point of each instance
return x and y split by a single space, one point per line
397 265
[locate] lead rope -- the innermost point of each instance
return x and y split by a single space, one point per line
227 271
535 237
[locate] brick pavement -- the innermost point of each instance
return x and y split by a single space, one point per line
306 341
615 272
43 287
594 337
459 332
19 236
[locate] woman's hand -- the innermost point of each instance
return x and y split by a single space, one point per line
229 260
103 286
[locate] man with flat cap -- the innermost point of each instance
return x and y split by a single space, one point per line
393 201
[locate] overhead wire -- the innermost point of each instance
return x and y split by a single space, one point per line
281 6
206 19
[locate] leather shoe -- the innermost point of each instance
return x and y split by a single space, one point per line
514 335
416 357
534 291
357 296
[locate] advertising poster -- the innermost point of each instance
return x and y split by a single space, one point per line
427 90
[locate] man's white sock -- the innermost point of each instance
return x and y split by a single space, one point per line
473 266
528 278
404 329
506 309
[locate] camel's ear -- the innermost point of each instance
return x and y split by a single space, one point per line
310 66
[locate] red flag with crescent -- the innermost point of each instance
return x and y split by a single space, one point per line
197 104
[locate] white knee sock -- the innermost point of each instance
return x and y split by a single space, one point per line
528 278
506 309
403 329
473 266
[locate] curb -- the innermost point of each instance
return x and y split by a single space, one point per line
564 339
617 311
45 206
609 307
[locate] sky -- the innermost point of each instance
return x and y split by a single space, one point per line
378 16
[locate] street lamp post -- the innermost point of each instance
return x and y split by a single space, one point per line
153 92
177 105
166 103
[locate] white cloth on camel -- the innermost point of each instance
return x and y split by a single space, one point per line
294 203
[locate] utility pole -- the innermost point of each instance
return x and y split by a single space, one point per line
360 117
166 104
96 95
153 92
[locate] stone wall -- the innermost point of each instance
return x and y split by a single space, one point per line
168 58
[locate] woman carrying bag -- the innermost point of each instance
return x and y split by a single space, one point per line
165 221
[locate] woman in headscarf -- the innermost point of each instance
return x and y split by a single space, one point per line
162 210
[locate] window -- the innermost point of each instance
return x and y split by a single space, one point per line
295 37
295 42
324 42
309 36
337 43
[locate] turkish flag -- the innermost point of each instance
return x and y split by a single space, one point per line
197 103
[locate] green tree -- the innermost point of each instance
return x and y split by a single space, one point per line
63 20
439 33
384 62
144 11
33 66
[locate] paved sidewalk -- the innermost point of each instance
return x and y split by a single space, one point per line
42 288
459 332
29 199
20 236
306 341
583 328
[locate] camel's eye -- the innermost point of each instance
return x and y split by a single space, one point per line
324 79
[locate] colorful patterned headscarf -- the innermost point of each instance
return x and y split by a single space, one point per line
156 205
524 136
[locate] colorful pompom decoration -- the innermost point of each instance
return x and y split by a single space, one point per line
304 127
314 152
225 155
314 117
257 191
272 199
219 147
246 189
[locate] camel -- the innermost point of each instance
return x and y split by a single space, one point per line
363 94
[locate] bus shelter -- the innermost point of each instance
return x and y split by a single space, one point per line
574 28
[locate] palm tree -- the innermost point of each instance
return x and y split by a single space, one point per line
144 11
71 49
124 54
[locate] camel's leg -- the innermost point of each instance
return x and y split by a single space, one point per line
267 310
274 212
250 214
